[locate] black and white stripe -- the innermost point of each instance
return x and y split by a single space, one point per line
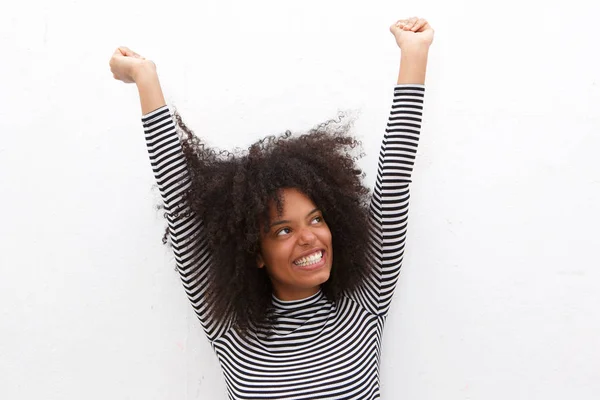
317 349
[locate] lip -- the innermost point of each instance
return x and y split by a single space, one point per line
315 266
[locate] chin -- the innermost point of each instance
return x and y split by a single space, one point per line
316 278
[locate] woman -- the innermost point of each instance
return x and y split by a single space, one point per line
289 265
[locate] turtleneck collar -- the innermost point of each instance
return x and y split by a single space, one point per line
293 305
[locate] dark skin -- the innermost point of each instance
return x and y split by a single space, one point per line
296 234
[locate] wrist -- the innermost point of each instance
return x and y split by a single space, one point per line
144 71
414 52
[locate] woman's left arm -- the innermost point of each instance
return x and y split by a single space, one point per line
389 204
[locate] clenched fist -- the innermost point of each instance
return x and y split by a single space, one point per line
126 64
412 34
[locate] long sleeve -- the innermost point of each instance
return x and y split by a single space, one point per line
388 212
186 233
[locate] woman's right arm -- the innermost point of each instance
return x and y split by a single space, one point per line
170 171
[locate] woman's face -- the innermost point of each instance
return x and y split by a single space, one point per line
296 250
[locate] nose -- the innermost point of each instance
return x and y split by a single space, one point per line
307 237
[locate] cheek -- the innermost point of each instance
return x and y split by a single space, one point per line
278 253
325 236
326 240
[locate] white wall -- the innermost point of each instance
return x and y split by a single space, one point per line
500 290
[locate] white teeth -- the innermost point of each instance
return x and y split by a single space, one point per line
312 259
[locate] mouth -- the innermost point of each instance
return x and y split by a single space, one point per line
311 261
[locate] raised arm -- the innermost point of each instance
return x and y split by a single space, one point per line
170 171
389 204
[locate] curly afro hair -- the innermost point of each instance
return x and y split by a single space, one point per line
231 192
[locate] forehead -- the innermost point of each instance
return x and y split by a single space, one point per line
293 202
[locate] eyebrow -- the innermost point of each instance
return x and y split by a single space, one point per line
285 221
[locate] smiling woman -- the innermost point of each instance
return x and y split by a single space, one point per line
297 250
289 264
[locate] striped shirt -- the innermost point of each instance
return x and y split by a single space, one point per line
317 349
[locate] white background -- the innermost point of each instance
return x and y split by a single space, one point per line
500 291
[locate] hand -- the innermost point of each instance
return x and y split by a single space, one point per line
126 64
412 34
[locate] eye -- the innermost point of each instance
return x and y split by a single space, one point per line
317 219
283 231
